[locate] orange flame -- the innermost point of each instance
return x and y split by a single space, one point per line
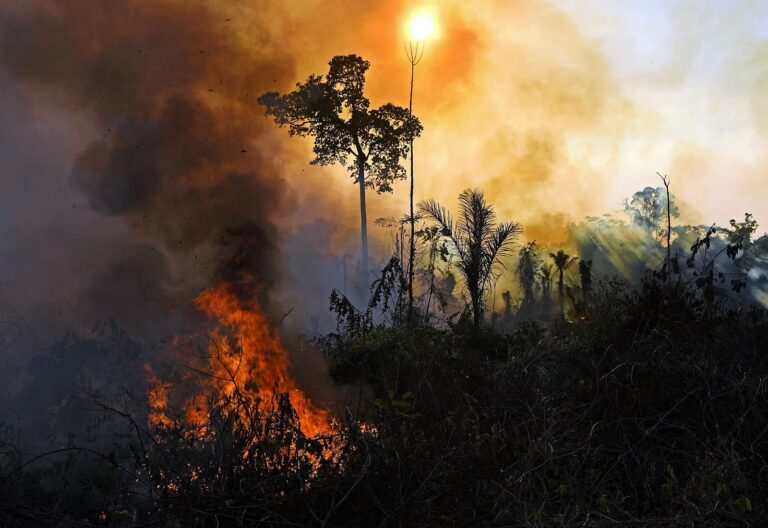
245 356
157 396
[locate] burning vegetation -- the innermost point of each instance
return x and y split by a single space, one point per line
620 380
243 363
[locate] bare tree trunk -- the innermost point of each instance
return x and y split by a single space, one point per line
432 254
668 267
363 219
475 295
413 243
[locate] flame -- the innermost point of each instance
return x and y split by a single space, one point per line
245 359
157 395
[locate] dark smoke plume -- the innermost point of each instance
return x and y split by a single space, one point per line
178 152
175 180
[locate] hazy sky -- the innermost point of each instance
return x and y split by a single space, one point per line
699 69
557 109
561 109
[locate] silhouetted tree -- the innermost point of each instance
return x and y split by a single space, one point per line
585 274
742 231
507 298
334 110
476 240
431 235
668 200
562 261
648 207
755 248
527 266
545 278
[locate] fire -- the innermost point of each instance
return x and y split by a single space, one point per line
245 359
157 396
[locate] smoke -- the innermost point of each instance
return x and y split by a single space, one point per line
137 167
158 179
174 149
161 174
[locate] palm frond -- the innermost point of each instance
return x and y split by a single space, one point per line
528 261
438 213
562 260
499 245
478 242
477 217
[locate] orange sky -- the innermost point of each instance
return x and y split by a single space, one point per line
529 102
556 109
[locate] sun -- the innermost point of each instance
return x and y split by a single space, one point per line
421 26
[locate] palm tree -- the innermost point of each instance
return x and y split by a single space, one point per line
562 261
527 266
477 242
585 274
545 276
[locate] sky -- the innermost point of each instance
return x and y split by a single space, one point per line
563 109
556 109
699 69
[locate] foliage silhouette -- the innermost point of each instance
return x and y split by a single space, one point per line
649 412
476 240
585 276
647 208
545 278
742 231
562 262
527 268
334 110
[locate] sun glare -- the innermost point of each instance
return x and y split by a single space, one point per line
421 26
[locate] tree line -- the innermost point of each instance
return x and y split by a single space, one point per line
372 143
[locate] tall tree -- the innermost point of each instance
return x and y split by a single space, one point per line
649 207
334 111
562 261
414 55
476 241
507 297
585 275
545 277
527 267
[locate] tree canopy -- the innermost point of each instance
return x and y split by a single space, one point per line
647 208
336 113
